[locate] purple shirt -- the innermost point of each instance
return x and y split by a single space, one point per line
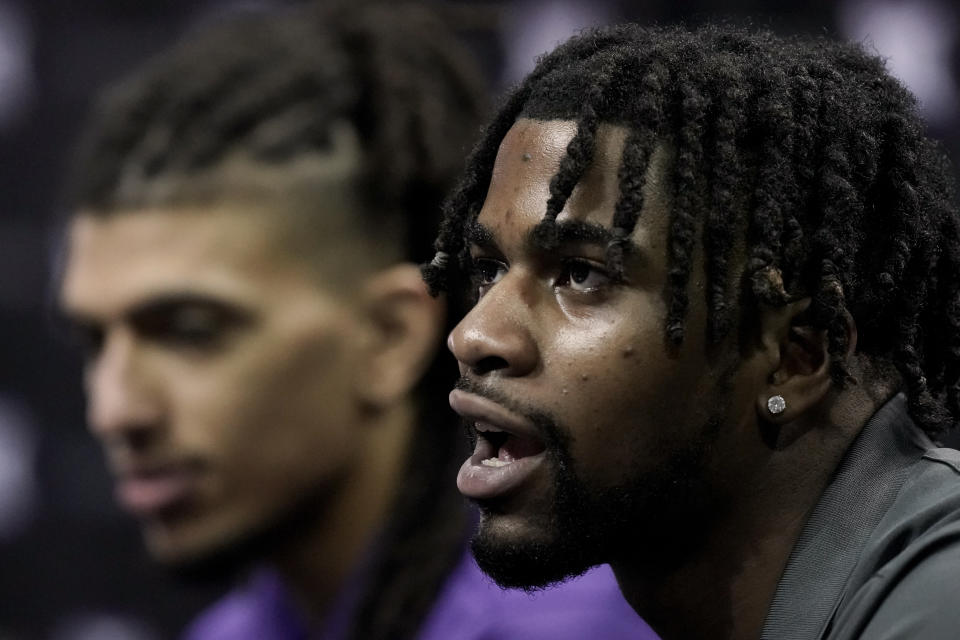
468 607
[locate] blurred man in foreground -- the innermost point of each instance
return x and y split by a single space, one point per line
240 265
716 329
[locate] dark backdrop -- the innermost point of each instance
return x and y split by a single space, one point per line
71 566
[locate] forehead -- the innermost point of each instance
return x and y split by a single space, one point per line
529 157
117 260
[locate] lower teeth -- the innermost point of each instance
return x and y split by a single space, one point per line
494 462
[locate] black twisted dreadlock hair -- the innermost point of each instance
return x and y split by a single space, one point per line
809 145
276 89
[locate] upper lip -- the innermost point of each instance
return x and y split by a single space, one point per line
132 469
491 416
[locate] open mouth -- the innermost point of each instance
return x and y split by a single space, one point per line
508 450
499 448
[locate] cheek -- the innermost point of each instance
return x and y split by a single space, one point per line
287 406
624 399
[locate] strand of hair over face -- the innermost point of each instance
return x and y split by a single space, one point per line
806 152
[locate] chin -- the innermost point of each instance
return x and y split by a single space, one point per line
197 559
527 564
527 557
207 548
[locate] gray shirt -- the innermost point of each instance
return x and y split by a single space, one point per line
879 557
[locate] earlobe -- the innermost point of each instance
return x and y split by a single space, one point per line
776 404
801 376
406 331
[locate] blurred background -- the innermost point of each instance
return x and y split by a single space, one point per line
71 565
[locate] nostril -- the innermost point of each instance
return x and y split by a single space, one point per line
489 363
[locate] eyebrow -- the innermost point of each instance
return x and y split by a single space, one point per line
161 304
479 235
579 231
568 232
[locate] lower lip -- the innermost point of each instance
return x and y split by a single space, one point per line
151 495
480 482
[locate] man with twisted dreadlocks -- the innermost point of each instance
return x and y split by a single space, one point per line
250 208
715 333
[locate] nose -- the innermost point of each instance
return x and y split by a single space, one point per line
121 402
495 336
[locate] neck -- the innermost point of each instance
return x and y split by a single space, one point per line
315 565
724 590
721 586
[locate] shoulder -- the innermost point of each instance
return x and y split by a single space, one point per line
229 617
906 583
472 607
257 610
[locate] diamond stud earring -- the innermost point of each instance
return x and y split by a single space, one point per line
776 404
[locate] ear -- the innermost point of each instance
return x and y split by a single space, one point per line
406 323
800 370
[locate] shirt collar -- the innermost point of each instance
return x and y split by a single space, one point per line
862 489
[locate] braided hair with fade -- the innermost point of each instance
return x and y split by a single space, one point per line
808 145
276 90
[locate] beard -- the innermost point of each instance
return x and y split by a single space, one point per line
653 514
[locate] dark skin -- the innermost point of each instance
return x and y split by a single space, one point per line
552 330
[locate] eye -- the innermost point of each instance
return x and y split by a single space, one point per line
192 325
582 276
486 272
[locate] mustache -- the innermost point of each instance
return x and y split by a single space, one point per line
554 435
490 393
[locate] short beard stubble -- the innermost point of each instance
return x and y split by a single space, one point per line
650 516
